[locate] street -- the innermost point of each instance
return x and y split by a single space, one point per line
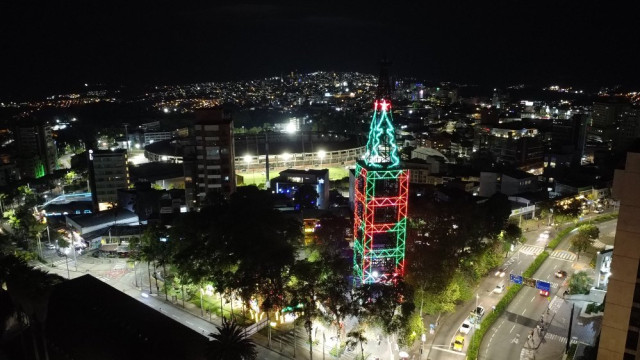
524 312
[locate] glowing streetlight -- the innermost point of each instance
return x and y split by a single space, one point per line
290 128
321 155
286 157
247 159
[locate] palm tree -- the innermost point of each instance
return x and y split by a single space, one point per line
230 343
356 337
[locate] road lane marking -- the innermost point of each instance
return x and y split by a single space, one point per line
514 326
523 311
175 316
532 299
189 323
449 351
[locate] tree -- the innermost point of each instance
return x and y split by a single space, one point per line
494 214
580 283
511 234
230 343
356 337
584 239
306 197
571 209
69 177
334 291
384 305
304 287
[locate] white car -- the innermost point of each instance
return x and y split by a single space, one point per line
466 327
499 289
544 235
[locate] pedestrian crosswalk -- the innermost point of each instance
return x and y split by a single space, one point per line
564 255
531 250
554 337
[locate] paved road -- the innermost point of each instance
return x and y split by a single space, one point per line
449 326
526 304
508 337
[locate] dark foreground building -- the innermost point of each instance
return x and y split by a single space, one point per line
88 319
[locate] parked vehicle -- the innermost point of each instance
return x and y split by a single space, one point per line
458 344
465 327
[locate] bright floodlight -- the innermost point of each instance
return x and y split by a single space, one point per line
247 158
286 156
322 154
291 128
375 274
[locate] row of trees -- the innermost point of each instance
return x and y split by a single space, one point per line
451 245
245 248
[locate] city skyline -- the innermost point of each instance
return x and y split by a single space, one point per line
58 47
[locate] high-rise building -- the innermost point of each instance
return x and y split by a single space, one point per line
36 150
621 322
606 118
520 147
209 158
381 193
629 130
108 172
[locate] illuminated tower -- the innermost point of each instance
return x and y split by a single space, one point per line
381 192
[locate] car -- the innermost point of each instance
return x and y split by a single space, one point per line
598 211
479 312
458 344
465 327
50 246
500 272
561 274
499 289
544 293
544 235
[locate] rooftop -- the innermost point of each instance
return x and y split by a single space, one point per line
103 217
88 319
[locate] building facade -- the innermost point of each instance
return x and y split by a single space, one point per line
291 180
108 172
36 150
621 323
209 164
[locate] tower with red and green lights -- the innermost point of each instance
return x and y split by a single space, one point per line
381 194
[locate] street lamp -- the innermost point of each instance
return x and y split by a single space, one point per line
321 155
247 160
271 324
285 158
324 339
424 339
476 311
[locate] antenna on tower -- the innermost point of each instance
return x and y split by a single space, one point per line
384 81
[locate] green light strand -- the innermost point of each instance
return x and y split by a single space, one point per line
381 124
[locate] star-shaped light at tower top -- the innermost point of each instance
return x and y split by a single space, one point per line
382 105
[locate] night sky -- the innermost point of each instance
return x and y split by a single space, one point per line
58 45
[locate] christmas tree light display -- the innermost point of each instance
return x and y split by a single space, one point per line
381 192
